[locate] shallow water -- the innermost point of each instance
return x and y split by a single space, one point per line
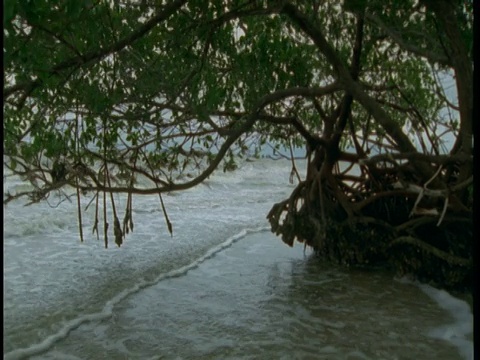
260 300
213 290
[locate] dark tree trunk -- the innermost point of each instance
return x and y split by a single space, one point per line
369 221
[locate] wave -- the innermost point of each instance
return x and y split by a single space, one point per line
456 333
108 308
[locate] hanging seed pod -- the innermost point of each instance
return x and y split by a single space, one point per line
117 231
125 221
59 171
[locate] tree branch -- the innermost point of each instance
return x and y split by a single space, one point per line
99 54
397 38
452 259
345 78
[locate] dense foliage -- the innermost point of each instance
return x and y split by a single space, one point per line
98 94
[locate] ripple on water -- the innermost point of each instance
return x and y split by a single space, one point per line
273 303
258 298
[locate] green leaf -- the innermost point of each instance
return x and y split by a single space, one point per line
355 6
13 163
9 10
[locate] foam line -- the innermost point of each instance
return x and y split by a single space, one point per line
456 333
107 310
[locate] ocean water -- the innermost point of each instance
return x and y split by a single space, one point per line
221 287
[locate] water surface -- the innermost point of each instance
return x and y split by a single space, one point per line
221 287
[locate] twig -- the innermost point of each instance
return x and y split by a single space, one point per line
167 220
434 176
422 192
79 211
105 223
294 168
445 205
95 225
451 259
79 205
117 231
169 224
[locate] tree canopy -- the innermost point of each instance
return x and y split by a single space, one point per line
97 93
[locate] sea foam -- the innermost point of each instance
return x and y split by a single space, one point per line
107 310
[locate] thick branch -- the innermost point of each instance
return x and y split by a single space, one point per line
416 50
452 259
462 64
348 98
301 91
344 76
415 156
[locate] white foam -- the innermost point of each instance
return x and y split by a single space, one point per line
461 330
458 333
107 310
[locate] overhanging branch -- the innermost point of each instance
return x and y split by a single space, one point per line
99 54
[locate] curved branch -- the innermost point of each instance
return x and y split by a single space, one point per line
347 101
239 127
346 79
413 223
397 38
451 259
300 91
463 66
388 193
312 140
415 156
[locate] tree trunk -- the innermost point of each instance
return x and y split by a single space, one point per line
372 221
